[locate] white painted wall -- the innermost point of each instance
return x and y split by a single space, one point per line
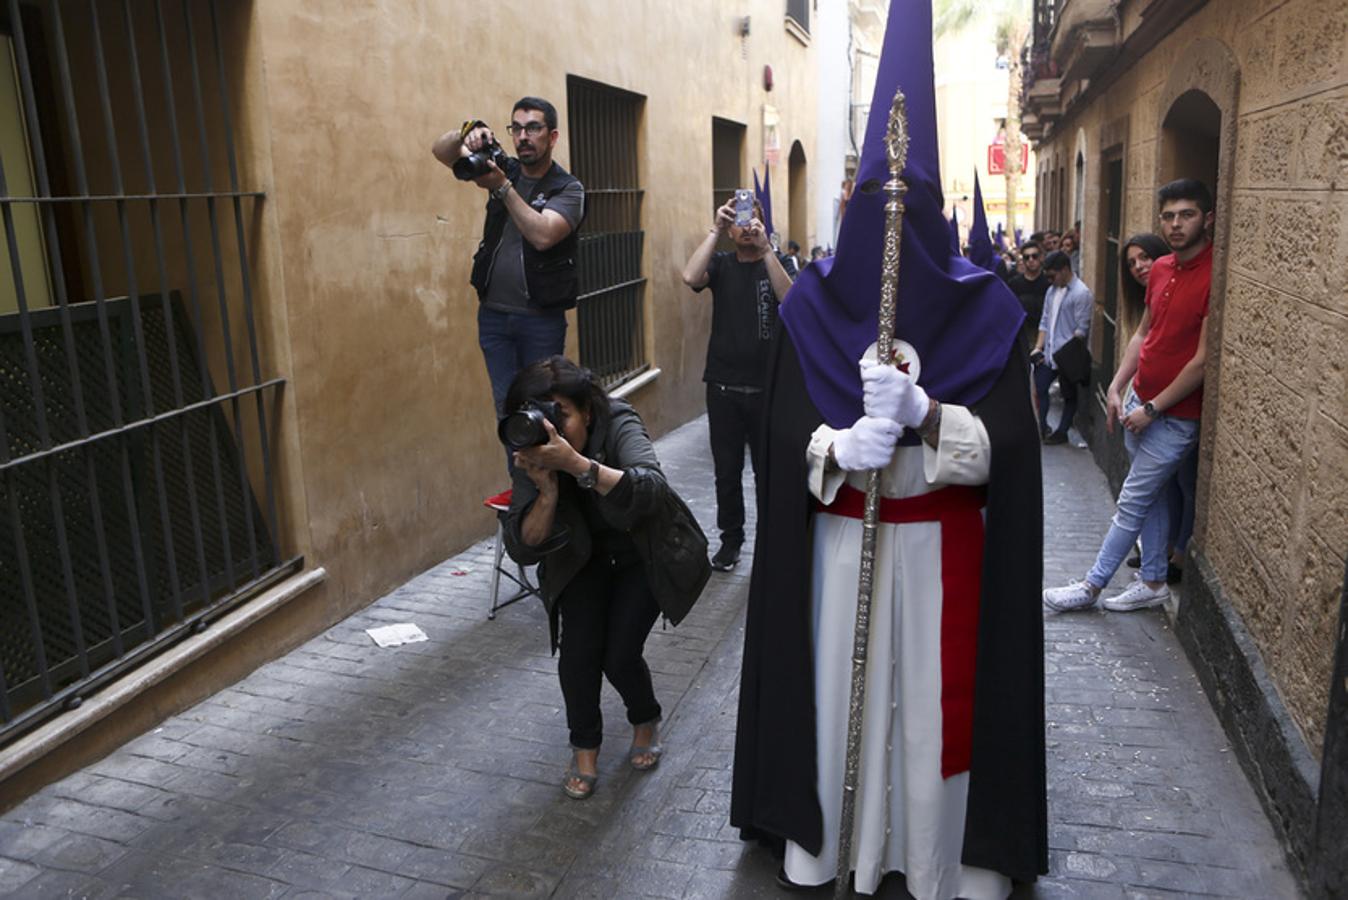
831 141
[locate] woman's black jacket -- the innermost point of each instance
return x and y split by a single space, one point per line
642 504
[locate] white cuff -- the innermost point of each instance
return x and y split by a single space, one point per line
823 484
963 455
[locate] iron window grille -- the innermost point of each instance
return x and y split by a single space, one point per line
605 127
137 492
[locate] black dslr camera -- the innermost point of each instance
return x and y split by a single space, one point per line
524 427
466 168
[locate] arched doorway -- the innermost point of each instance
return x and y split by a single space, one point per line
799 195
1197 139
1191 139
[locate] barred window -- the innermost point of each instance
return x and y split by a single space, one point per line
605 125
799 12
137 493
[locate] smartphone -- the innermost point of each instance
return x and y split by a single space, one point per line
744 207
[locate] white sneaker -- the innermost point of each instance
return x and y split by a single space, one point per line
1137 595
1077 595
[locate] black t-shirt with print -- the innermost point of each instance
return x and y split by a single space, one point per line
1031 297
743 315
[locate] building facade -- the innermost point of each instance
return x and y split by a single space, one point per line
1250 96
971 112
243 392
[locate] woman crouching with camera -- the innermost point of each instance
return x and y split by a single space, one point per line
615 547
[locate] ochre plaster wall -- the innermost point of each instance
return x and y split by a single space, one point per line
1274 473
395 444
383 439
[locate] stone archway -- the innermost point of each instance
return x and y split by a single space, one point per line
1191 140
1206 77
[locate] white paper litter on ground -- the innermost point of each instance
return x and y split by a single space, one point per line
397 634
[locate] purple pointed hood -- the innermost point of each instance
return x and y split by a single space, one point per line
980 243
960 318
764 195
955 233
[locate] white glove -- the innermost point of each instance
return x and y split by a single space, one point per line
891 394
869 444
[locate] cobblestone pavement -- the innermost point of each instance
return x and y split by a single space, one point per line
432 770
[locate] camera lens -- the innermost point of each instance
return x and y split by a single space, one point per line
523 429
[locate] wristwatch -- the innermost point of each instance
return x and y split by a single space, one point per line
1150 410
831 461
931 425
500 192
590 477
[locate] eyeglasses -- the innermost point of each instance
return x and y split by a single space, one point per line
1029 256
533 129
1184 215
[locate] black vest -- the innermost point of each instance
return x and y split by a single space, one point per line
549 275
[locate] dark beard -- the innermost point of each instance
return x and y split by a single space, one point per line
1198 239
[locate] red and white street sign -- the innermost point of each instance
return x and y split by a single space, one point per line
997 158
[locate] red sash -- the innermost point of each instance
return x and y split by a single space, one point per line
957 508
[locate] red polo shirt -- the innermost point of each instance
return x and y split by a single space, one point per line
1177 295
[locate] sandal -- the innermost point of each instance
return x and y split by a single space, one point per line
654 750
573 774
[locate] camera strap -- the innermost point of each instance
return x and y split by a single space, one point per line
469 125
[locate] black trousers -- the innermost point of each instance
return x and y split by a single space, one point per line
606 611
734 419
1044 377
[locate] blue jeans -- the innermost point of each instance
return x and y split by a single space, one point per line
511 341
1142 508
1181 498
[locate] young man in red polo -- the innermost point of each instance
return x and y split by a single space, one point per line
1160 410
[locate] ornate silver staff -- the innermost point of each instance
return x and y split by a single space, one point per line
896 146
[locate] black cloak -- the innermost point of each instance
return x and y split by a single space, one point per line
775 795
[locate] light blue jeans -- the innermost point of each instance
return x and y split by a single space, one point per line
1142 507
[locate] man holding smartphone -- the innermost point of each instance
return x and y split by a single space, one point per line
746 286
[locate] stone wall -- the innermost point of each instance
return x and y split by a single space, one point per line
1274 464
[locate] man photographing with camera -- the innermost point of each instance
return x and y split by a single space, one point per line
746 285
524 269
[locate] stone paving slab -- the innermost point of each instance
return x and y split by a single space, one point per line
432 770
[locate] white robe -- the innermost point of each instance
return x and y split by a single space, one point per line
908 818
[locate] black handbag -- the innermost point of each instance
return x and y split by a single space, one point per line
674 549
1073 360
